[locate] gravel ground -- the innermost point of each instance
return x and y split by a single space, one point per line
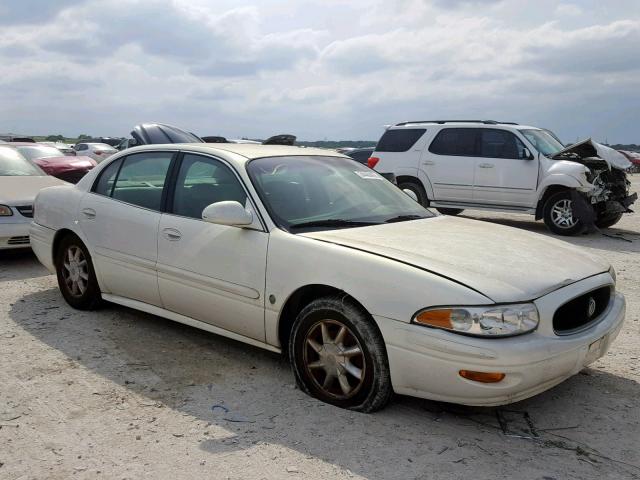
122 394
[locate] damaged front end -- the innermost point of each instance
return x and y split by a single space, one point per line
610 195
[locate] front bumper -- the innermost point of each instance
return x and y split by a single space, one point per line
14 235
425 362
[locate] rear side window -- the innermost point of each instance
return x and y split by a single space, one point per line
399 140
104 185
500 144
141 179
456 141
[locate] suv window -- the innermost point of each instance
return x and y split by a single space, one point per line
500 144
201 182
104 185
399 140
456 141
141 179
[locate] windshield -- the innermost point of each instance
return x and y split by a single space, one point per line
543 141
33 153
14 164
316 192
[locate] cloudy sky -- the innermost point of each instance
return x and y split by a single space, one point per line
320 68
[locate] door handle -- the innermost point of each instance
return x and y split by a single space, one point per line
486 165
89 213
172 234
428 162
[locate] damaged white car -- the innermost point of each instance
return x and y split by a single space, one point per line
454 165
308 252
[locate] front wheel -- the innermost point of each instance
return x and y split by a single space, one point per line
76 276
559 215
338 355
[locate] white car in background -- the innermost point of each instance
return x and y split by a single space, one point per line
20 181
501 166
305 251
97 151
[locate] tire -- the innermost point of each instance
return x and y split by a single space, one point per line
555 214
315 355
416 188
450 211
76 275
608 220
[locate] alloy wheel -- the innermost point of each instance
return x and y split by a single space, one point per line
562 214
334 359
75 271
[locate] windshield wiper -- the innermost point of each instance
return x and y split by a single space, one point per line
333 222
404 218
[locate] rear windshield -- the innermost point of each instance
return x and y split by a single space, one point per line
13 164
33 153
399 140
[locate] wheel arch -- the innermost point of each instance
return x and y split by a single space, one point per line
548 191
299 299
58 237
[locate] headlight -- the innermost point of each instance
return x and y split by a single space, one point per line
5 211
489 321
612 272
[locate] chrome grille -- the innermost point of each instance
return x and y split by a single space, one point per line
581 311
21 240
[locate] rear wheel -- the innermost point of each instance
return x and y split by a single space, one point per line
559 216
338 355
450 211
417 189
76 276
608 220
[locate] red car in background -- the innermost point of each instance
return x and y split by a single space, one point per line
634 158
54 162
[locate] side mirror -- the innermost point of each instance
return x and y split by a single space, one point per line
227 213
526 154
410 193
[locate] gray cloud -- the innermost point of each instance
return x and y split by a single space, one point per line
14 12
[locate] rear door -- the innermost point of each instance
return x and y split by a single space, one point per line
450 162
120 218
398 151
505 173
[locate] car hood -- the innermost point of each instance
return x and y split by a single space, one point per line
66 163
590 149
18 190
503 263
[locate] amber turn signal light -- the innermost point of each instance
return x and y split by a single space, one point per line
435 318
483 377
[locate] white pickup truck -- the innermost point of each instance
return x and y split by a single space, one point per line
454 165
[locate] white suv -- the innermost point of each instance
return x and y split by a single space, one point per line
488 165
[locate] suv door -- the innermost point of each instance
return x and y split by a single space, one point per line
213 273
450 164
506 174
120 217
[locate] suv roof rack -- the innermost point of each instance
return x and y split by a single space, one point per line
486 122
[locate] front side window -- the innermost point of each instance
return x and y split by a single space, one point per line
399 140
543 141
202 181
500 144
104 185
305 193
141 179
12 163
456 142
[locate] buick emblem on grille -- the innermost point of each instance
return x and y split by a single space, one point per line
592 307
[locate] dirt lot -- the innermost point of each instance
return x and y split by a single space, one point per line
121 394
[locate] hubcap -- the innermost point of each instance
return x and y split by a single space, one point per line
562 214
75 271
334 359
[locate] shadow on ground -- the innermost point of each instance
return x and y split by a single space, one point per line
249 392
20 264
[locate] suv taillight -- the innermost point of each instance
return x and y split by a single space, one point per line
372 162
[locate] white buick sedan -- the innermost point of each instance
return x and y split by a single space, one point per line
310 253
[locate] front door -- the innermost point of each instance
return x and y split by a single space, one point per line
120 218
505 175
213 273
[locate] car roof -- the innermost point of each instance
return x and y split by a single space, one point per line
243 151
462 124
95 143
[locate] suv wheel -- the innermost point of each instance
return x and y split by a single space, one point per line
450 211
416 188
558 214
76 276
339 357
606 220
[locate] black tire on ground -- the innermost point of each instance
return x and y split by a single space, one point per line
552 214
417 188
326 338
608 220
450 211
76 275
